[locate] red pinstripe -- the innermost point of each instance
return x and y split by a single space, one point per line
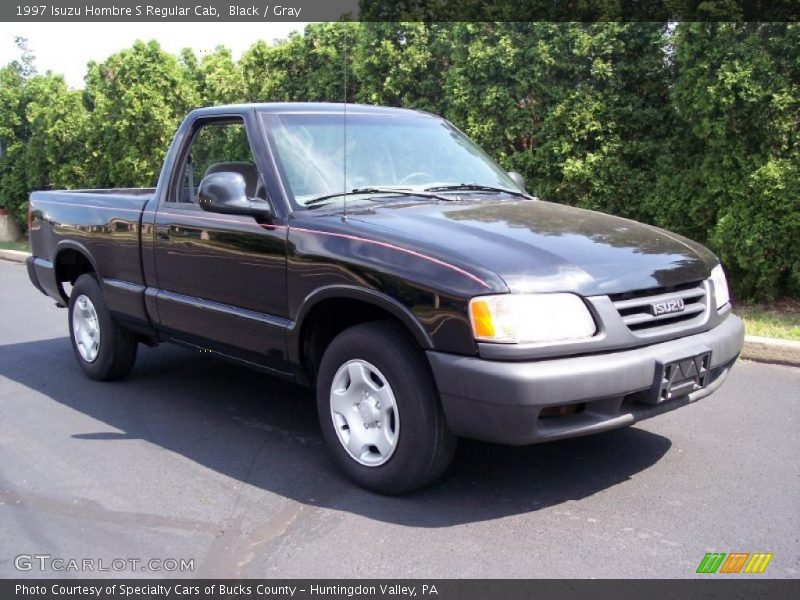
441 263
346 236
89 206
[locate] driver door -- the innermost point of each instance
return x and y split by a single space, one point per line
221 278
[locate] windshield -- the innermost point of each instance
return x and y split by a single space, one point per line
383 151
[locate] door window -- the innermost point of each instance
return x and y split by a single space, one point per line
218 146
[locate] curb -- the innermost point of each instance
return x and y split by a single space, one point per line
759 349
15 255
771 350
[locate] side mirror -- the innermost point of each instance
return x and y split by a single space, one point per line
226 192
518 179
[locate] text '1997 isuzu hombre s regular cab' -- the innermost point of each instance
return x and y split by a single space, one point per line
379 255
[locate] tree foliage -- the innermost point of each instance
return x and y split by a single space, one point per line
136 99
308 67
55 153
690 126
402 64
740 116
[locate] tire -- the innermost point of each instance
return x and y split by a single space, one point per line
374 385
105 350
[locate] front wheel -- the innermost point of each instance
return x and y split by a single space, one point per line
379 410
105 350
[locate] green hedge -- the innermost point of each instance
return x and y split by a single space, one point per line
690 126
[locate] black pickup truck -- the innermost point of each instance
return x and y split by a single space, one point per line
379 255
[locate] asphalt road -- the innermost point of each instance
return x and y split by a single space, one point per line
198 459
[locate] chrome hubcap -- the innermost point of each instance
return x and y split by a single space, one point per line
86 328
364 413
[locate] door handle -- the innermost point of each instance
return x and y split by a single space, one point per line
162 233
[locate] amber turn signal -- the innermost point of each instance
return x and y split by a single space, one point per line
481 319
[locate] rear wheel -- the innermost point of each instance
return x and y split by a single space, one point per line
105 350
379 410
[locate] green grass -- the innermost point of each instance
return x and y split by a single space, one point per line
22 246
779 320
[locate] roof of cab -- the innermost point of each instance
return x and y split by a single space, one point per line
309 107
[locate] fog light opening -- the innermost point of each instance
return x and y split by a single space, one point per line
562 410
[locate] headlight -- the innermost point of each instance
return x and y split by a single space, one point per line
720 286
519 318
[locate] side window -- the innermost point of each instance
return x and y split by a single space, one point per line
218 146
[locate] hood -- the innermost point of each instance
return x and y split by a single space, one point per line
537 246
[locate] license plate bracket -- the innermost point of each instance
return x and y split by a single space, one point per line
682 377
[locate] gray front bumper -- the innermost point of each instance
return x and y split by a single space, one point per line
501 401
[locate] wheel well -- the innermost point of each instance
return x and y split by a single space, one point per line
71 264
329 318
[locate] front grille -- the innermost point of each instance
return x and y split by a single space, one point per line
637 312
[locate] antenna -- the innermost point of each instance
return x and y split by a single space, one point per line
344 145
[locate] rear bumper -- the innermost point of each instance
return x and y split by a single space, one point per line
43 277
502 401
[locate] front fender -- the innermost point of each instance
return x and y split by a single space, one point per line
350 292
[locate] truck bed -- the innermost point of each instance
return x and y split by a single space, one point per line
92 219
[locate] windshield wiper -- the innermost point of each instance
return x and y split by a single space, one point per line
474 187
376 190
